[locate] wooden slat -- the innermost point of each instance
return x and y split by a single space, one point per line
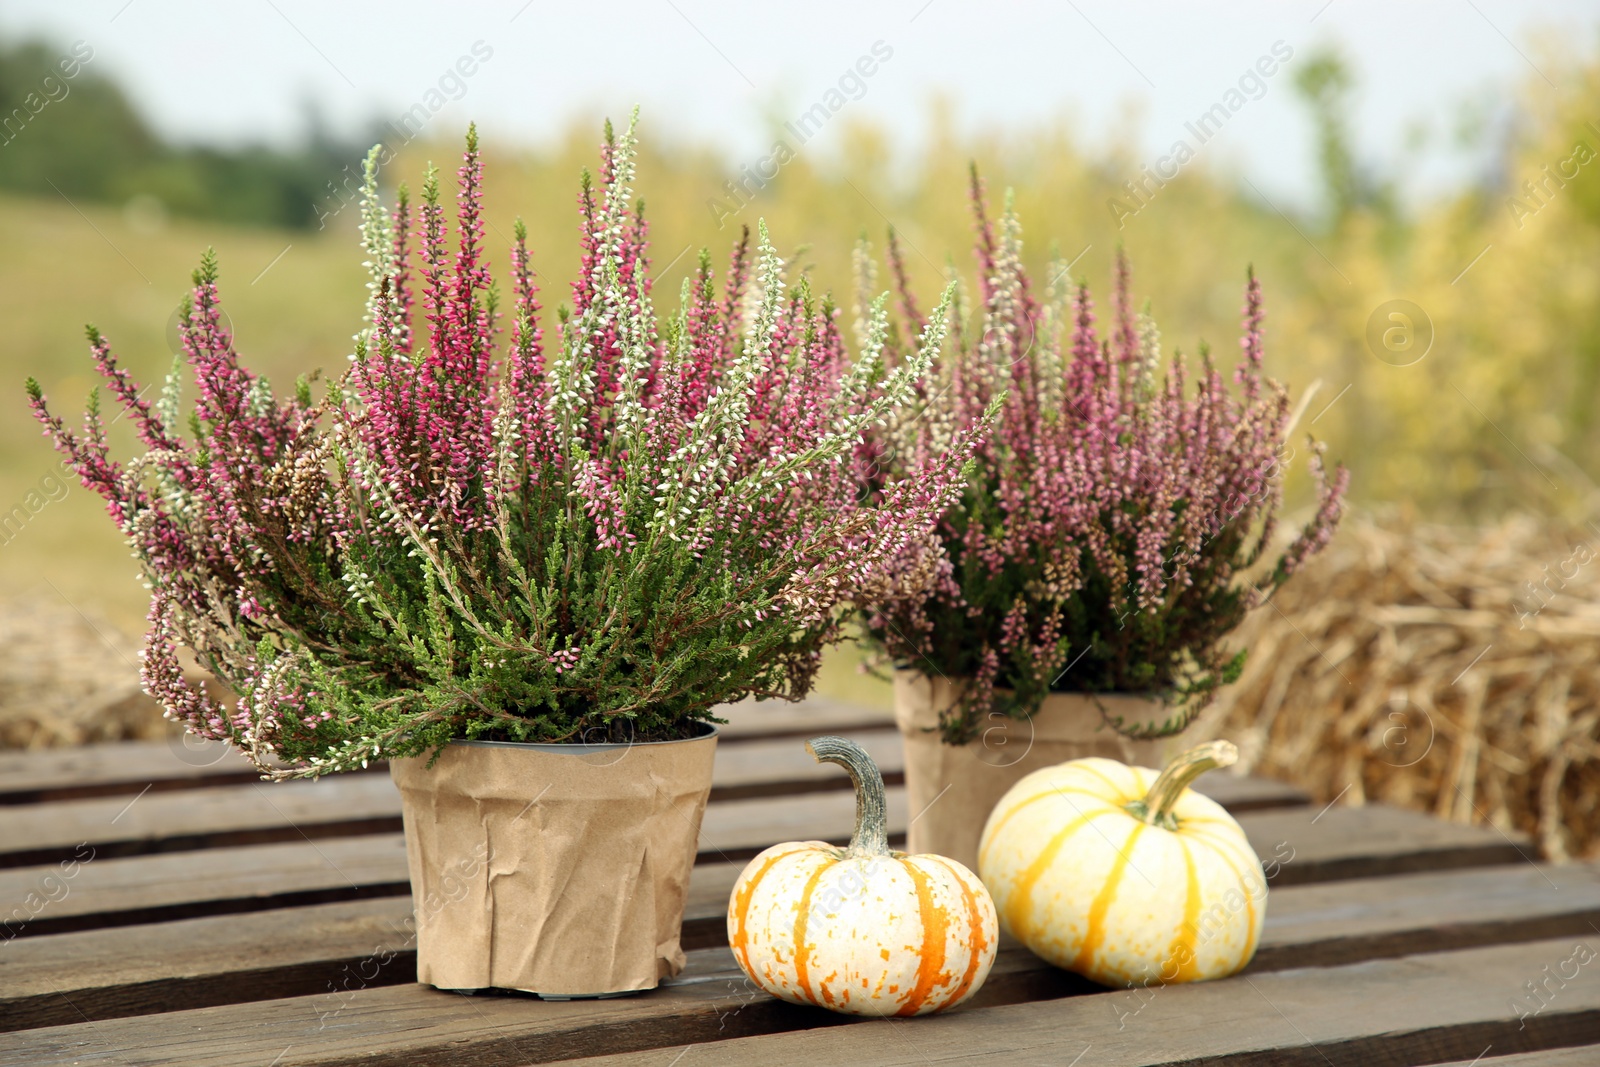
257 812
303 951
142 889
1367 842
1341 843
755 767
1402 914
1583 1056
230 958
200 818
782 767
1418 1009
299 951
157 889
738 830
358 946
1239 793
343 805
759 754
811 717
1415 1010
1302 846
125 768
406 1024
141 970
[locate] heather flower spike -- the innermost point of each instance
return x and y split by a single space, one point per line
595 533
1103 542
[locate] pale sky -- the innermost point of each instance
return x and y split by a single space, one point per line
710 69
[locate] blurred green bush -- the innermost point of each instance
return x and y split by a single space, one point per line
67 128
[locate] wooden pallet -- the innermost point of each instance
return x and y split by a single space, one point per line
159 905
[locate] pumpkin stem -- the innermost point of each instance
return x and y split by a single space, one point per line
871 837
1156 808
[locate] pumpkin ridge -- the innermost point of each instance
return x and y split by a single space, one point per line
802 975
1017 901
930 961
739 940
1102 901
1019 805
1113 787
1249 899
1183 946
1210 826
1216 838
978 943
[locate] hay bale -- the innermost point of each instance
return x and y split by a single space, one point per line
67 678
1450 670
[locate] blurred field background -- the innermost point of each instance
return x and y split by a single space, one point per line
1495 425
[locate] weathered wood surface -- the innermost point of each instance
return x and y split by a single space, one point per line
117 768
303 951
120 818
214 927
1582 1056
1419 1009
1391 1013
173 885
260 813
1370 841
109 891
253 813
806 718
1300 846
184 762
1241 793
1380 918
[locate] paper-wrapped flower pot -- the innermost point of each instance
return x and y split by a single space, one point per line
560 870
952 788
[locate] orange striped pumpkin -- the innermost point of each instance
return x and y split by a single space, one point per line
1123 875
861 930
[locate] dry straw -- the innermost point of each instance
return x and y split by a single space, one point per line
69 679
1454 671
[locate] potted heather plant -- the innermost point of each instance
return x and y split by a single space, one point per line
525 574
1076 600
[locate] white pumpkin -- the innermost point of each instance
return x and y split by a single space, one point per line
1123 875
861 930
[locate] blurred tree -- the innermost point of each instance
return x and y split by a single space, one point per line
1325 83
83 132
79 135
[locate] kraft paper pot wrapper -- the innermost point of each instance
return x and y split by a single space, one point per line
950 789
553 869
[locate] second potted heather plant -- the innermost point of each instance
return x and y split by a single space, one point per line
1076 600
524 575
